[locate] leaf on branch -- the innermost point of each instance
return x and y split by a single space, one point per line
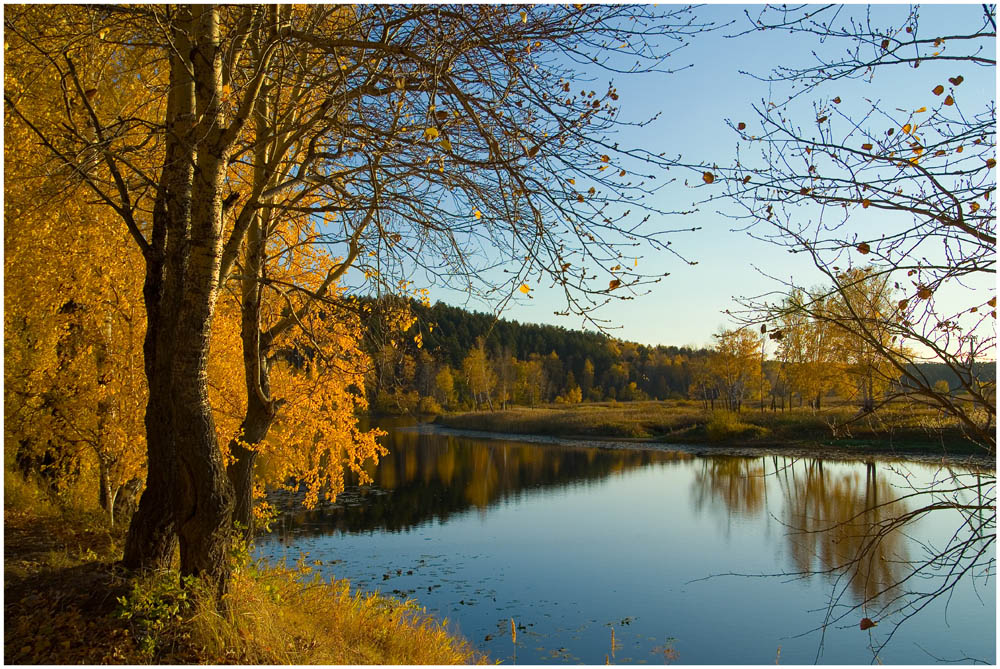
708 177
478 214
836 100
821 119
746 179
955 81
990 163
614 283
605 159
864 205
885 44
938 90
579 198
907 128
902 304
949 101
974 207
992 302
924 293
571 181
524 17
525 288
431 133
446 144
867 623
741 126
863 248
920 111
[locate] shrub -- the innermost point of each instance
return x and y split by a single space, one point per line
429 406
726 425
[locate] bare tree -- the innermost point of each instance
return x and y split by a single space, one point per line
908 192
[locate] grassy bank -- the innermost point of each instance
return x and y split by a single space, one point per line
66 603
689 422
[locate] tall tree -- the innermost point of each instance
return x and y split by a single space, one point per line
428 135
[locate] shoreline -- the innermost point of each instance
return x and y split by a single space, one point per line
803 448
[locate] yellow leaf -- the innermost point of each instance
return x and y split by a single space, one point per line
477 214
708 177
920 111
524 288
974 207
614 283
907 128
445 144
605 159
524 17
571 181
431 133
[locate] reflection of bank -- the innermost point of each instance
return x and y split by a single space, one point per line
836 525
430 476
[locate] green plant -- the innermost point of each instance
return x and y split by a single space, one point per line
154 603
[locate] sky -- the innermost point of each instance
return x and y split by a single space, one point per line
687 307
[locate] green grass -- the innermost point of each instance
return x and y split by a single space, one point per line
66 603
687 421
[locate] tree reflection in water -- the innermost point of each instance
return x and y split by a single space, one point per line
427 476
833 516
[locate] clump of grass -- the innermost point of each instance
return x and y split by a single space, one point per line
726 425
277 615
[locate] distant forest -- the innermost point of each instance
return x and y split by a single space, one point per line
451 358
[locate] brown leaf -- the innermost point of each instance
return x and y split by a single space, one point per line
708 177
864 205
836 100
938 90
741 126
866 147
990 163
924 293
821 119
867 623
746 179
614 284
885 44
863 248
955 81
605 159
949 101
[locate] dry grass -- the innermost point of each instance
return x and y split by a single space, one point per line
66 603
687 421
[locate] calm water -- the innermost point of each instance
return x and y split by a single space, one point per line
680 556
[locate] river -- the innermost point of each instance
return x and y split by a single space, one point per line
650 556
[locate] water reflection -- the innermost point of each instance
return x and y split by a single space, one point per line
837 521
430 476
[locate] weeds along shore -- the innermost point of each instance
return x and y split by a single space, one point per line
67 603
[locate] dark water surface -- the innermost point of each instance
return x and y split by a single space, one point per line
665 549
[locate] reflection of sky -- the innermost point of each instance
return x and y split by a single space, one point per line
628 549
685 308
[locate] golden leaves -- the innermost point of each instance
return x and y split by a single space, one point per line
949 101
867 623
614 283
431 133
863 248
707 177
525 288
478 214
938 90
974 207
865 203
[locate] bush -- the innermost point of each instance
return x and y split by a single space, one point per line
429 406
726 425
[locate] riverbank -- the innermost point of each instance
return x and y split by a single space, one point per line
682 425
65 602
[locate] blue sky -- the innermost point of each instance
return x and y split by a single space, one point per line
686 307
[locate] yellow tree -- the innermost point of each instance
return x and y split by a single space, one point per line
74 390
735 366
